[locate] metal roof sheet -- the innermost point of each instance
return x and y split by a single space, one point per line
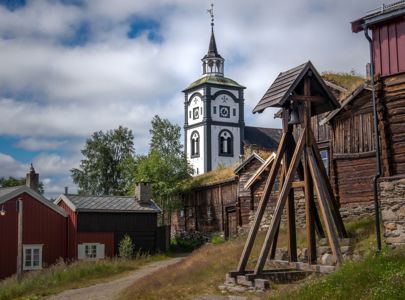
214 79
111 203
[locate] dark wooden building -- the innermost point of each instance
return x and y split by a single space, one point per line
98 223
43 230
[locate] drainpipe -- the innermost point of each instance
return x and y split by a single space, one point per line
376 143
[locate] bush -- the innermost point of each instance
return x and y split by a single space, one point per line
188 241
126 247
217 239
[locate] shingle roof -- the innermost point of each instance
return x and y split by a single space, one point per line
289 82
247 160
266 138
7 190
110 203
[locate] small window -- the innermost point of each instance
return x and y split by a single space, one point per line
234 112
181 213
197 171
209 213
201 111
190 212
90 251
189 114
325 158
225 140
32 257
215 110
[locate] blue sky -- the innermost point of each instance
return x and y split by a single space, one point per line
71 67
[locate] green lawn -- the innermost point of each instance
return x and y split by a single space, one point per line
61 276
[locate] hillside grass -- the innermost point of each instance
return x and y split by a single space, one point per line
204 270
62 276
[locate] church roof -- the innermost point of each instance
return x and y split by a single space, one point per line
266 138
212 48
214 79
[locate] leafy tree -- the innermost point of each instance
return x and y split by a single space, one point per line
12 181
126 247
165 165
107 164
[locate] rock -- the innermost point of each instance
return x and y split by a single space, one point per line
327 259
390 226
322 250
281 254
345 249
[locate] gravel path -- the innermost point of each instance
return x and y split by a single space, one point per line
111 289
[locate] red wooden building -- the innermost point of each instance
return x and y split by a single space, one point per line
44 229
96 224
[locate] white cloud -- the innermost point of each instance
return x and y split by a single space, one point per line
111 80
11 167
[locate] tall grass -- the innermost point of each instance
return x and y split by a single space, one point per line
379 276
63 276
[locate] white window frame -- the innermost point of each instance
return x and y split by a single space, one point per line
32 247
81 252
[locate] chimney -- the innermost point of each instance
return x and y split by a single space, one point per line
32 179
143 192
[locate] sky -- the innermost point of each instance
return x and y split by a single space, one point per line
69 68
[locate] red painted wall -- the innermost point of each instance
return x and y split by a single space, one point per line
389 48
41 225
106 238
71 231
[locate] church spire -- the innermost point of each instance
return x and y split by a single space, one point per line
213 63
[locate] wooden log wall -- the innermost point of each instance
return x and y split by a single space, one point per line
394 101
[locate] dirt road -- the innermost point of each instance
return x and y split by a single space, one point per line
111 289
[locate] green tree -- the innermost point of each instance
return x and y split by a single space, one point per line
12 181
108 163
165 165
126 247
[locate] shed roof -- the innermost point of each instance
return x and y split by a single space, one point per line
265 166
262 137
345 103
379 15
290 82
107 204
9 193
253 156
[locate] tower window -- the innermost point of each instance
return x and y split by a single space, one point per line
189 114
195 144
215 110
234 112
201 111
225 143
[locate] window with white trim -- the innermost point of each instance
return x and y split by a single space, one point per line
225 143
32 257
90 251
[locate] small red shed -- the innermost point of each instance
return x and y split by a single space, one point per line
44 230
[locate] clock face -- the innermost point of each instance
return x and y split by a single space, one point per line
196 113
224 111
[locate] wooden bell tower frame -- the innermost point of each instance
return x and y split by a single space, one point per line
304 90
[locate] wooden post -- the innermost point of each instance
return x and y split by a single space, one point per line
20 240
262 206
321 193
280 204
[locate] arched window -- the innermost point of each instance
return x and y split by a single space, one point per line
195 144
225 143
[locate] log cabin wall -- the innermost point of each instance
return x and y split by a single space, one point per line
393 98
353 151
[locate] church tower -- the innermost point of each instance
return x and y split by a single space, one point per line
214 114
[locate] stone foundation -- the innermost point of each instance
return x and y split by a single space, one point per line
392 199
348 211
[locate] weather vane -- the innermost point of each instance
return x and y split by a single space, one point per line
211 13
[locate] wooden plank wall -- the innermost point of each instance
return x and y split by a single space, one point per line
394 100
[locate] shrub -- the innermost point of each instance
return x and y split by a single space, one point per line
217 239
126 247
188 241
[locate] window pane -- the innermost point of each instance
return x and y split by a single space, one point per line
27 258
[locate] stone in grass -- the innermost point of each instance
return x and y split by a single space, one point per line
327 259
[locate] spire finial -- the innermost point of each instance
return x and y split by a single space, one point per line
211 13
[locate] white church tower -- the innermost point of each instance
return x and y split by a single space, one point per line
214 115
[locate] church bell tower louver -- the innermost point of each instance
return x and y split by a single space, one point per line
214 114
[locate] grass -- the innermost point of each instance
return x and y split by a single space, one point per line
376 277
349 81
208 178
62 276
205 269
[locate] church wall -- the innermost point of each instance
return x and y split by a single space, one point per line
196 104
227 161
234 92
225 101
197 162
